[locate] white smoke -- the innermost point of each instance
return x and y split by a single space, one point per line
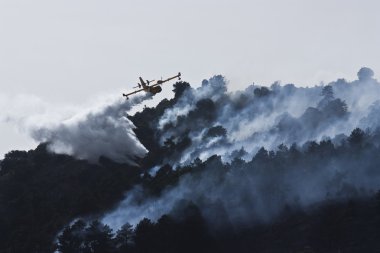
252 119
137 206
101 130
245 195
282 116
214 89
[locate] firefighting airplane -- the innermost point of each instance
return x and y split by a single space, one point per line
154 88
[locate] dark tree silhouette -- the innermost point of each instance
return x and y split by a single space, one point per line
328 92
179 89
261 92
216 131
72 237
262 154
145 236
357 137
365 74
98 239
124 238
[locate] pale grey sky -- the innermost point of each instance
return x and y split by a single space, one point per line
66 52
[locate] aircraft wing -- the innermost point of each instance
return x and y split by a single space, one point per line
159 82
134 92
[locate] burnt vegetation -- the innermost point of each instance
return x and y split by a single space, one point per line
41 192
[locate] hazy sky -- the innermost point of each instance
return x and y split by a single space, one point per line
65 52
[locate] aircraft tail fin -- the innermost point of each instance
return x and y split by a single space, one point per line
142 82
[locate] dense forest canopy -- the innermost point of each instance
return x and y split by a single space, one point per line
260 170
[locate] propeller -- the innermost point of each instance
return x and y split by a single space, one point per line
138 86
148 82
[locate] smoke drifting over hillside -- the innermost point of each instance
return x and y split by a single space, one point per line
241 183
103 132
235 126
266 117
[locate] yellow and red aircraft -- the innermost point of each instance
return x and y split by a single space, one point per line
154 88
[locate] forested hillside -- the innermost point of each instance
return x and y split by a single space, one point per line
267 169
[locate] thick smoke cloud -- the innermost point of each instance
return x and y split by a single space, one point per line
101 130
267 117
237 125
245 193
105 132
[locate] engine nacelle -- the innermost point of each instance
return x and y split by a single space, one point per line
155 90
